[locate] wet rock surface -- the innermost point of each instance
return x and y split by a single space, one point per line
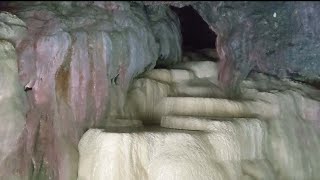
76 63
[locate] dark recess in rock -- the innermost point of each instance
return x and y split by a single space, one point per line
195 31
5 7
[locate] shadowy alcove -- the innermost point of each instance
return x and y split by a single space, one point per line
196 33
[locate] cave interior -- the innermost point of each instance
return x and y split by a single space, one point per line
166 90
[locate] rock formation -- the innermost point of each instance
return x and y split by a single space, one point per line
76 62
86 66
271 132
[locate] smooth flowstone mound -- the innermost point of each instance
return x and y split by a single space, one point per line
247 134
271 132
166 154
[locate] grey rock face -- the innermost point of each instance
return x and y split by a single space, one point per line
277 38
13 104
165 25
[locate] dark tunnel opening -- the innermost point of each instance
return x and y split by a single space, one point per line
196 33
4 6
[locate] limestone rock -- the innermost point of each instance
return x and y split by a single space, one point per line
270 132
13 102
277 38
77 61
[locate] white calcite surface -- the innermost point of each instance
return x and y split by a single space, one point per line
270 132
170 154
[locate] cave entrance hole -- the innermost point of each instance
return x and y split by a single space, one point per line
196 34
198 40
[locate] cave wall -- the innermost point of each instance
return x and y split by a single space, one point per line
13 101
76 62
166 28
78 59
277 38
195 31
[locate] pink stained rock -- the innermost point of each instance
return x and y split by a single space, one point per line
76 64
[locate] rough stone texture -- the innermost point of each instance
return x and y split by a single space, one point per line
76 64
13 102
171 3
79 58
165 32
277 38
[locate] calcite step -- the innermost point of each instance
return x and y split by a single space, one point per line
169 76
184 90
148 100
207 107
194 123
203 123
201 69
248 133
118 123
